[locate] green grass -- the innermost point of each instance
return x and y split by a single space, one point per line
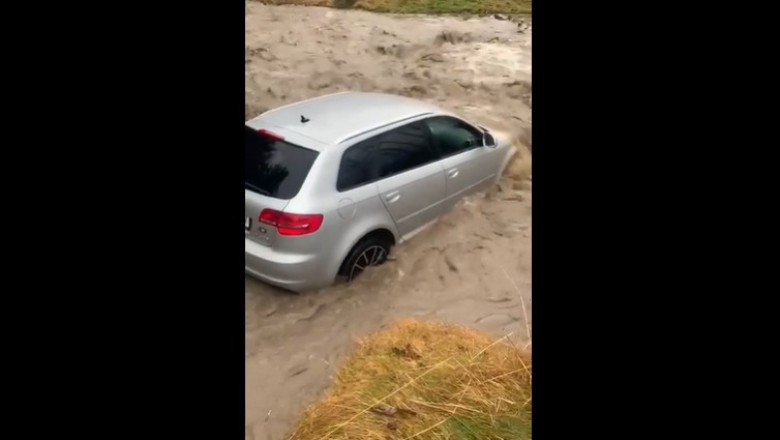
422 6
506 427
426 381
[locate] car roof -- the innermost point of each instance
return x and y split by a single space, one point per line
335 118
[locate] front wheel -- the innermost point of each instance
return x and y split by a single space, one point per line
368 252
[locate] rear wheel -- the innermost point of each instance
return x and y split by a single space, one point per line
371 251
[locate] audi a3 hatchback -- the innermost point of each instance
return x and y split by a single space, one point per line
333 183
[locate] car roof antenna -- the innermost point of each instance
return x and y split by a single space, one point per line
304 119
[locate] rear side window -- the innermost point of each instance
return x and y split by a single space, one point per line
452 136
384 155
273 167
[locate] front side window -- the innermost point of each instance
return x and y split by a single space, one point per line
452 136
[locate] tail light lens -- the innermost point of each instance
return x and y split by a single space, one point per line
291 224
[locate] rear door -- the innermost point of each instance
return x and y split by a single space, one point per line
468 165
404 167
274 173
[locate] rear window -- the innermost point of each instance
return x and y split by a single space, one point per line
275 168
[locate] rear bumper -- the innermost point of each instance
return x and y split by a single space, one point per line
296 272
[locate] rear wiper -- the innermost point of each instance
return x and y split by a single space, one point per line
257 189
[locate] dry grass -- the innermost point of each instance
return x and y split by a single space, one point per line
426 381
422 6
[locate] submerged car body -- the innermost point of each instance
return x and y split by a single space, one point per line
333 182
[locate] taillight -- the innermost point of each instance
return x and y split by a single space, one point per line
291 224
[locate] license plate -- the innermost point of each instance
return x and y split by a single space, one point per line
248 223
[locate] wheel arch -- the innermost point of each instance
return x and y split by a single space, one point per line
379 232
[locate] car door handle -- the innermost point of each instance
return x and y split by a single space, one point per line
392 197
453 173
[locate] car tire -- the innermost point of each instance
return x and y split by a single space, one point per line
371 251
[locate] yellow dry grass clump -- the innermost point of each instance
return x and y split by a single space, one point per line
426 381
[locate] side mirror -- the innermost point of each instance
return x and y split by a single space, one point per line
488 140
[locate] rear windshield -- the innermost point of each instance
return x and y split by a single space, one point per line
275 168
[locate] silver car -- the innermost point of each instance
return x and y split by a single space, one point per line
332 183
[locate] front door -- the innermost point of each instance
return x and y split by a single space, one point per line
466 162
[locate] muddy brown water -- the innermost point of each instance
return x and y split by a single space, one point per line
473 267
